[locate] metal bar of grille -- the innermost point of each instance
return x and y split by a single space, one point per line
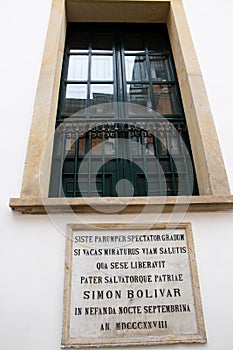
89 163
61 191
129 156
188 189
103 165
130 142
174 188
156 151
76 163
142 141
117 155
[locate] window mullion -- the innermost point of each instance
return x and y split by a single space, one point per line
123 73
120 77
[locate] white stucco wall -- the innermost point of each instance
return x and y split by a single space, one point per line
32 247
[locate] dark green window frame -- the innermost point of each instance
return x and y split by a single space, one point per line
100 117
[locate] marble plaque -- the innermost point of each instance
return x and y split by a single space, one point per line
130 285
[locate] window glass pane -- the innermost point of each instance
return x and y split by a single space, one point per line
77 91
76 95
139 94
157 40
149 144
81 146
96 146
135 68
110 146
70 146
160 68
102 41
166 100
77 40
101 94
68 185
78 68
103 52
78 51
101 68
133 43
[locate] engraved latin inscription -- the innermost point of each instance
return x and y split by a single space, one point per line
127 286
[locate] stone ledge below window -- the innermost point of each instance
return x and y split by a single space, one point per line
120 205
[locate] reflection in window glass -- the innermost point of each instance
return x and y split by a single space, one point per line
101 92
76 95
78 68
139 94
129 64
135 67
78 91
104 146
166 99
101 68
110 146
101 95
160 68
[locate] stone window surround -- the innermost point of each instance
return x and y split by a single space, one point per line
211 175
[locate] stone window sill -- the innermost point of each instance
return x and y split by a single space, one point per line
122 205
